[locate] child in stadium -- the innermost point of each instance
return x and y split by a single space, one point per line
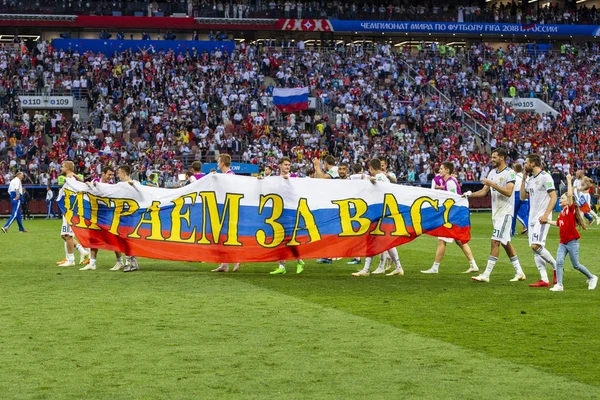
567 223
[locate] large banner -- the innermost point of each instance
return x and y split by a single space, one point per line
226 218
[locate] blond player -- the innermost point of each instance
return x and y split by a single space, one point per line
68 170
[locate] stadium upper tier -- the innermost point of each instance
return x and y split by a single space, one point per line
458 11
160 111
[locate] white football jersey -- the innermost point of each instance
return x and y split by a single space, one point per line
518 181
357 177
381 177
502 205
538 187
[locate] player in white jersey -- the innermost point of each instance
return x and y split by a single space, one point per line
284 172
68 169
124 175
501 182
521 206
358 174
378 176
451 185
384 167
582 187
106 176
539 187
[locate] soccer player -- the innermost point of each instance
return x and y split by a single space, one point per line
582 196
521 207
124 175
538 186
384 167
332 170
68 170
196 171
106 176
358 174
451 185
284 171
567 222
501 182
15 190
224 165
379 176
332 173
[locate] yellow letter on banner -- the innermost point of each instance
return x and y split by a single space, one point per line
360 207
121 211
309 224
391 210
68 206
231 208
415 213
278 229
177 217
150 216
447 206
94 206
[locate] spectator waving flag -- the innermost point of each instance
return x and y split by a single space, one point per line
290 100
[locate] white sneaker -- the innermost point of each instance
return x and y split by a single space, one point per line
518 277
362 272
117 267
481 278
592 283
67 264
557 288
396 272
430 271
379 270
471 269
88 267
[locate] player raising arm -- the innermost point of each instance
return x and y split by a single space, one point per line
567 222
538 186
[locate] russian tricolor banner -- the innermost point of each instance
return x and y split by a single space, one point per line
290 100
228 218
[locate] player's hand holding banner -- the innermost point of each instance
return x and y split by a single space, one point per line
241 219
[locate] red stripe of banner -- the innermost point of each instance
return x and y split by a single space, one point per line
329 246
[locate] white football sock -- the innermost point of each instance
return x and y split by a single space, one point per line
540 263
393 252
490 266
368 262
545 254
517 265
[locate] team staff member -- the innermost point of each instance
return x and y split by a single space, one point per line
15 190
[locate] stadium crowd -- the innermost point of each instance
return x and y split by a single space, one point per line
509 12
159 112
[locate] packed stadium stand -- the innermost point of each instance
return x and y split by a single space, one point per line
418 103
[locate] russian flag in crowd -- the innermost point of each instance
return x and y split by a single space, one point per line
290 100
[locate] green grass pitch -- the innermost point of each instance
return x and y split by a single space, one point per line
176 331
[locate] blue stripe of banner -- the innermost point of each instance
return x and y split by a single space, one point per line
327 220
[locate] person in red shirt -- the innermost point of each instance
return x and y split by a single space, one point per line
568 221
